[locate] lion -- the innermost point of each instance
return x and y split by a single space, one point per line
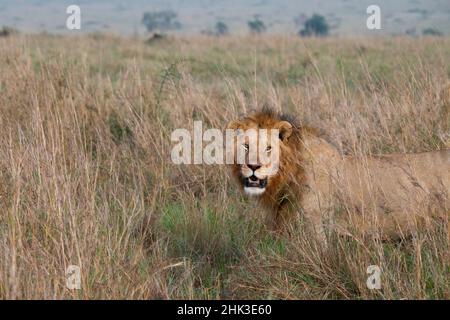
388 195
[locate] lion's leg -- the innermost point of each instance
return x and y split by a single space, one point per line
271 221
315 223
314 216
280 221
277 221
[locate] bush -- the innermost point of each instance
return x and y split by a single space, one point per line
7 31
315 26
431 32
160 21
256 26
221 29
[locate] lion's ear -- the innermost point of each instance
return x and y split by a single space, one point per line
234 125
285 129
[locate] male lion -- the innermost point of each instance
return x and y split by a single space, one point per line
387 195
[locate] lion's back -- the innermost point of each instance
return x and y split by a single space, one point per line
399 183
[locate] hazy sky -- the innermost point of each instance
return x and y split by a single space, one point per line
124 17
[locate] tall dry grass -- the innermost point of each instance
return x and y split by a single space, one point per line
86 177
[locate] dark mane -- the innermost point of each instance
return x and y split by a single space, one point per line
298 127
270 112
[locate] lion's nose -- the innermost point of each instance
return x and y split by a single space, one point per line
254 167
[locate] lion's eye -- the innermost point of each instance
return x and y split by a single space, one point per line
268 149
246 147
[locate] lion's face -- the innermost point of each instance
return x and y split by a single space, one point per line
258 148
256 174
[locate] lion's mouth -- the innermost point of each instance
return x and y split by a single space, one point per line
254 186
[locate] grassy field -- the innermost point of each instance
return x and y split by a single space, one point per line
86 177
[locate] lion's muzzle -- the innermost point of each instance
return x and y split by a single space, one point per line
254 186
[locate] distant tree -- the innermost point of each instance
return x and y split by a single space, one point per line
315 26
7 31
160 21
221 29
256 26
431 32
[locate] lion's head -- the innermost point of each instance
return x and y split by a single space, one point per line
272 148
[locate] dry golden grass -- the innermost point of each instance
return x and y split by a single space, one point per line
86 177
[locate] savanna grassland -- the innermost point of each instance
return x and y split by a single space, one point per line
86 177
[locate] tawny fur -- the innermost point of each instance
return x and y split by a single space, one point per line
387 194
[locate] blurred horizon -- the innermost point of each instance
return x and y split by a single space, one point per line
345 17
